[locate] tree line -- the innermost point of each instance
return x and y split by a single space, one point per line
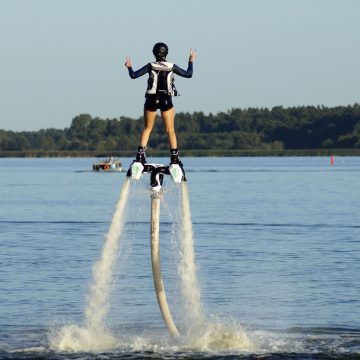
278 128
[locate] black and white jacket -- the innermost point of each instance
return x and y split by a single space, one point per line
161 76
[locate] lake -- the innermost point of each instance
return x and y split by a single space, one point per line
277 253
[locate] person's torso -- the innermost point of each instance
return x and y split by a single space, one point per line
161 78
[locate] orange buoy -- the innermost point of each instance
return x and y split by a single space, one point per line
332 160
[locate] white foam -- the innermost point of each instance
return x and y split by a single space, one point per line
76 338
219 337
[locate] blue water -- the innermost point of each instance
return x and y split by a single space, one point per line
277 245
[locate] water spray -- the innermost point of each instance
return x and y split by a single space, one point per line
95 336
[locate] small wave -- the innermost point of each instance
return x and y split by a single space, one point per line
292 225
33 349
209 223
275 170
50 222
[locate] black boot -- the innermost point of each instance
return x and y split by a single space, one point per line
175 160
141 155
174 157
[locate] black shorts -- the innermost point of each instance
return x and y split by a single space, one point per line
158 101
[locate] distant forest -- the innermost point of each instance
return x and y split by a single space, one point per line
293 128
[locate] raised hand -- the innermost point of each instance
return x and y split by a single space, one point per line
192 55
128 62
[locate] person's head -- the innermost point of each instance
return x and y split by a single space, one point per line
160 51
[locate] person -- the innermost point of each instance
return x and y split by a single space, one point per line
159 93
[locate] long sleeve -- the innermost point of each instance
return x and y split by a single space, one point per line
135 74
184 73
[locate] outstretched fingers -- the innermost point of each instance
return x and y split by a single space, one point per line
128 61
192 56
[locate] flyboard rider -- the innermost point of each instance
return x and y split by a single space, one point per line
159 93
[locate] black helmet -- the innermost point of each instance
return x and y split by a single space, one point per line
160 50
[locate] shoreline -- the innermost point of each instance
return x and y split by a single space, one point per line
184 153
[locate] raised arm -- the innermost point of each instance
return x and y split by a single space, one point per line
186 73
135 74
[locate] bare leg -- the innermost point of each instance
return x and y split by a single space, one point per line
168 119
148 126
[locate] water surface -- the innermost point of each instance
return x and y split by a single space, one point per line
277 250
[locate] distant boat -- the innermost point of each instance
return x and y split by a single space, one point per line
109 165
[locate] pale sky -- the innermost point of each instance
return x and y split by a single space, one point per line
61 58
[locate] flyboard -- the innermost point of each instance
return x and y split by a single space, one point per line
157 172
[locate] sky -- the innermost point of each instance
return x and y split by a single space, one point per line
62 58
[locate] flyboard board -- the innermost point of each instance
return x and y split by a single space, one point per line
157 172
